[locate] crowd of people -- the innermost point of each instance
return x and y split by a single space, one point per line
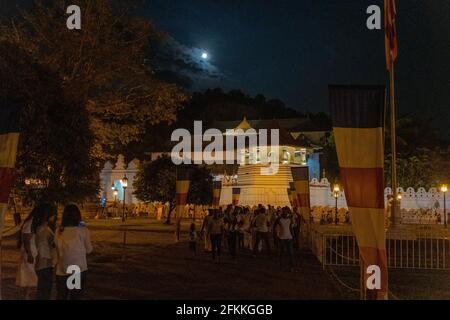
241 228
50 251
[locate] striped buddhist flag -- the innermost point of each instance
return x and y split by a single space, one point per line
293 195
357 113
182 188
217 188
291 201
300 175
9 139
390 37
236 195
290 197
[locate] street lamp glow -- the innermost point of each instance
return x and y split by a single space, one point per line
399 196
125 182
336 188
444 188
205 55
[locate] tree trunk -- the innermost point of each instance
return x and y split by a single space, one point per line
171 207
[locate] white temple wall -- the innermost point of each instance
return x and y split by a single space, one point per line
320 191
322 195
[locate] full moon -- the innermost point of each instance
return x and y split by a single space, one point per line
204 55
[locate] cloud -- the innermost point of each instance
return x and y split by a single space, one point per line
187 62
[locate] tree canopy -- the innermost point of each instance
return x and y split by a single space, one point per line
103 65
156 180
54 159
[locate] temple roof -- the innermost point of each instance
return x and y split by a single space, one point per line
255 124
291 125
304 142
285 138
244 125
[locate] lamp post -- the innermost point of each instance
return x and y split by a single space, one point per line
444 191
336 191
124 186
115 192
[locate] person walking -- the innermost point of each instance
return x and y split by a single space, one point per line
204 231
296 221
193 239
261 224
45 245
283 227
26 277
247 228
216 233
240 231
73 243
232 233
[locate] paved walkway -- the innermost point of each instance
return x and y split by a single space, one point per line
152 266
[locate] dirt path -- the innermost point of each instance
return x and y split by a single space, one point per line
152 266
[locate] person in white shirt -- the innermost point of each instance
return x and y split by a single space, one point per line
26 274
73 243
216 230
205 230
261 224
44 238
283 226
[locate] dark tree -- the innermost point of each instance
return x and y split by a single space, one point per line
54 159
156 181
103 65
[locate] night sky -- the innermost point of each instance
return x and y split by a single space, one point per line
292 49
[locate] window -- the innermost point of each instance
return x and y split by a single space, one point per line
285 157
300 157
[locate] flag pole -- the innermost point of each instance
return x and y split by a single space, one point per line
395 214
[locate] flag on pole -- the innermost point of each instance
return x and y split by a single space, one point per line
235 196
9 139
217 188
293 195
289 193
182 188
357 113
390 37
300 175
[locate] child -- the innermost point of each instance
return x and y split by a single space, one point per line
192 239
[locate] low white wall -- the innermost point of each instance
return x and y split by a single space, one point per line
322 195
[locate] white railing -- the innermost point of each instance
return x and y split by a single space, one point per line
418 247
321 195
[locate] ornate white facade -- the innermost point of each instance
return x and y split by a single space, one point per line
111 176
321 195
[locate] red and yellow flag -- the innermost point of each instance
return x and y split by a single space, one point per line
390 37
289 193
292 195
235 196
300 175
357 113
9 140
217 188
182 189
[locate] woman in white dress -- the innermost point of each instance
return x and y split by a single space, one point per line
26 277
73 243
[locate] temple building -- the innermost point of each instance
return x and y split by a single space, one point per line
299 144
293 150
